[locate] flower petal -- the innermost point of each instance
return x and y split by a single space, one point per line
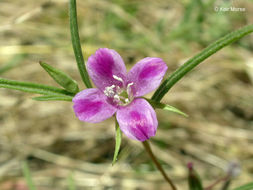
90 105
103 65
146 75
138 120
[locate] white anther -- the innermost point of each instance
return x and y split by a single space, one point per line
118 90
127 100
128 88
130 84
117 78
109 92
116 97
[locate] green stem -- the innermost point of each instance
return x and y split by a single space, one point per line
193 62
157 164
77 44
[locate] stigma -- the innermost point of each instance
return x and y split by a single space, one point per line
120 95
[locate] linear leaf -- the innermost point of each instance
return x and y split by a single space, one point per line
117 142
76 43
194 180
53 98
61 78
28 178
226 184
248 186
194 183
167 107
12 63
71 182
193 62
32 87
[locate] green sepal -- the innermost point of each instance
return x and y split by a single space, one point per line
53 98
32 87
118 136
61 78
165 107
248 186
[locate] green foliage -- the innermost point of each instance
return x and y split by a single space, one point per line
200 23
191 28
27 174
71 182
53 98
77 44
16 59
117 142
61 78
33 87
118 22
166 107
226 185
248 186
130 7
194 180
200 57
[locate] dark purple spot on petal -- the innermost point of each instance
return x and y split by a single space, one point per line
150 71
105 63
88 109
139 126
136 116
140 133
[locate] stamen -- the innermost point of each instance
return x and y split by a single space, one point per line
120 95
109 92
118 90
117 78
129 88
116 97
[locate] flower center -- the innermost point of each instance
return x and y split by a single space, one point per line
120 95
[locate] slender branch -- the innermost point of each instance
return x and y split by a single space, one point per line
76 43
217 182
157 164
199 58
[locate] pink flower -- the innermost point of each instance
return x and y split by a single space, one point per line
120 92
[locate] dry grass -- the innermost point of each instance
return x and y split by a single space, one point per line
218 96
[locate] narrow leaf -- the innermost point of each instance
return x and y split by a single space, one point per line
77 44
12 63
226 185
197 59
61 78
194 180
71 182
248 186
28 178
32 87
117 142
165 107
53 98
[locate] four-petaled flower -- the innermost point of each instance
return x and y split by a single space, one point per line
120 92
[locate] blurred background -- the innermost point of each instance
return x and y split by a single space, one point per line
217 95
